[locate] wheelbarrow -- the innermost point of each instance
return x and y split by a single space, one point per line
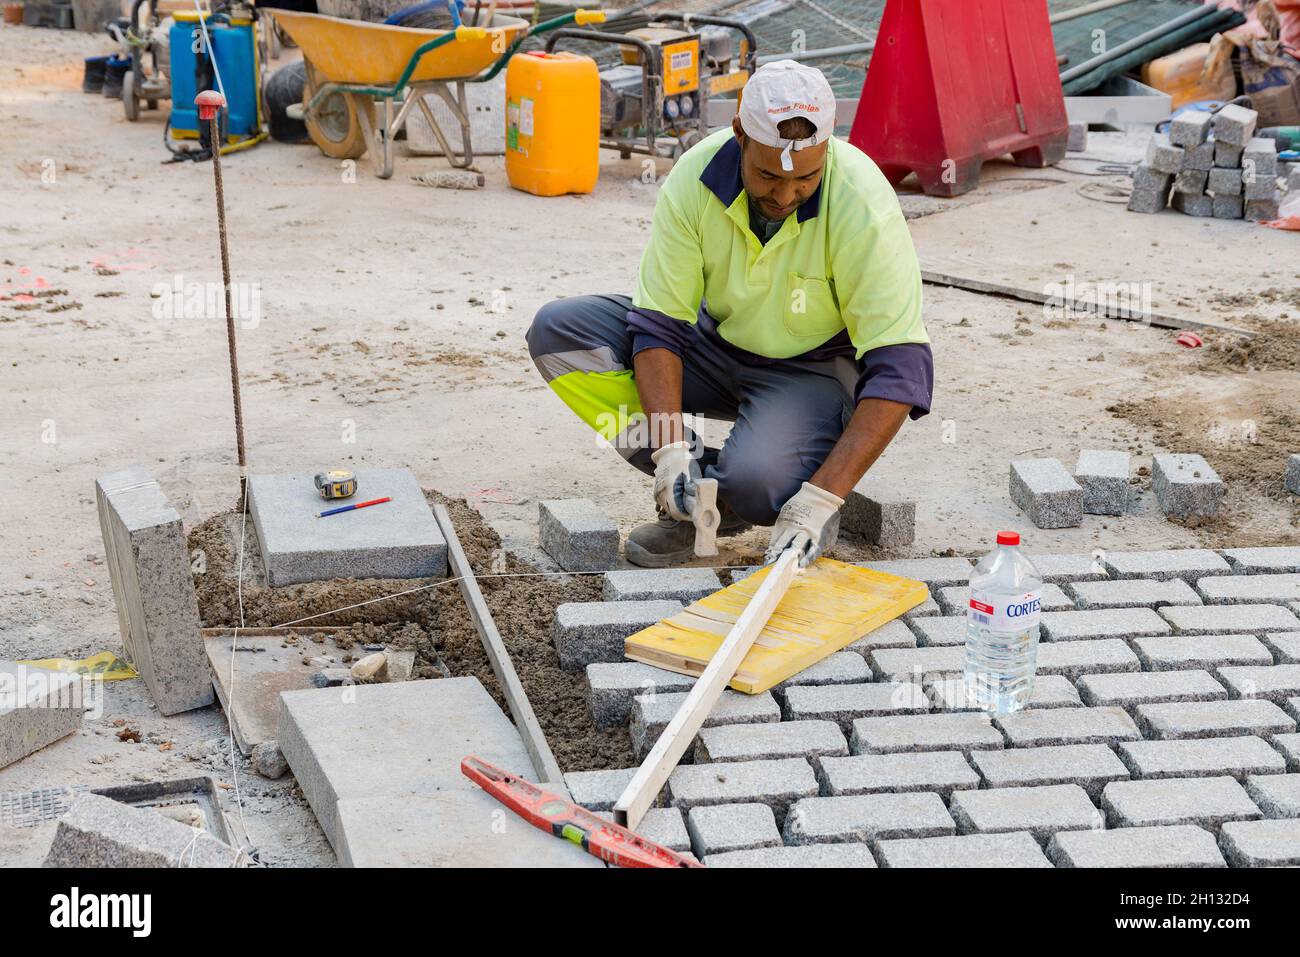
354 66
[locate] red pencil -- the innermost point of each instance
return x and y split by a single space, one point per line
348 508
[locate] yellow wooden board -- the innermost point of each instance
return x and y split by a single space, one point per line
831 605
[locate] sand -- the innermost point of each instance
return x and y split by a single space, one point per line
434 621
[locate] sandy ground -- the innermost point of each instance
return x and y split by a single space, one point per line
390 333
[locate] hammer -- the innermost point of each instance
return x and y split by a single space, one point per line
702 502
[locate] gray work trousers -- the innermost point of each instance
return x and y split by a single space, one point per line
788 414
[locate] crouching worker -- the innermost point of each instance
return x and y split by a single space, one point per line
780 291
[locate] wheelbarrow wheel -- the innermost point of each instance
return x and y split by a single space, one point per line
130 97
335 126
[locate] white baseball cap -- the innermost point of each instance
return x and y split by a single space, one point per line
780 91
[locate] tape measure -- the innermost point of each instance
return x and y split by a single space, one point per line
336 483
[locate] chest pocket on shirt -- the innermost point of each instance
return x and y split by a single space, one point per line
810 307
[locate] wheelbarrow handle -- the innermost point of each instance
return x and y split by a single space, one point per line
577 16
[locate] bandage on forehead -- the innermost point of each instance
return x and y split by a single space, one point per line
784 90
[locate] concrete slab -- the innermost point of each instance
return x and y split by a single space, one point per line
149 566
868 818
1205 652
661 584
593 632
651 714
1272 843
844 704
803 857
1045 727
939 771
37 708
1135 593
1187 563
100 832
1090 766
449 828
892 634
399 539
1185 484
878 517
262 670
1249 589
935 572
1046 691
598 790
1012 849
1277 795
1206 802
1070 568
1103 475
578 535
841 668
615 685
777 784
731 827
1046 492
761 742
666 826
1041 810
1229 619
1240 757
1102 623
389 743
1179 845
1072 659
1213 719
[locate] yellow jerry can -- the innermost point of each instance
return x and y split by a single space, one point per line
552 123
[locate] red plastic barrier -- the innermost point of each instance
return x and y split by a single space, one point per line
953 83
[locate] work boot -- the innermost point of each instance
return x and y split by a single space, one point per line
669 541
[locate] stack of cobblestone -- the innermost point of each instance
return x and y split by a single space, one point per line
1185 486
1209 165
1162 731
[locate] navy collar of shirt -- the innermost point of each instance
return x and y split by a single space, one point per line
722 177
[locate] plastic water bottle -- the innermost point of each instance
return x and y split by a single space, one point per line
1002 628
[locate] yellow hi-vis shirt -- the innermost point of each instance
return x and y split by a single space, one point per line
842 264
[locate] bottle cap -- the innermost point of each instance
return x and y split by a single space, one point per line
1008 538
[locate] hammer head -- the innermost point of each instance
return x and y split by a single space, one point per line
706 517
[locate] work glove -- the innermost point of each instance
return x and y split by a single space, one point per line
809 522
676 470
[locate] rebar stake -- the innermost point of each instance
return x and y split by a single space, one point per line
210 103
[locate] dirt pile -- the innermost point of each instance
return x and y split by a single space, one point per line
435 621
1276 345
1249 451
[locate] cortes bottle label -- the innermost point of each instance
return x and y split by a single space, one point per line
1005 612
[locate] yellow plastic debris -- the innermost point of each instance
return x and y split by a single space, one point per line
105 665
